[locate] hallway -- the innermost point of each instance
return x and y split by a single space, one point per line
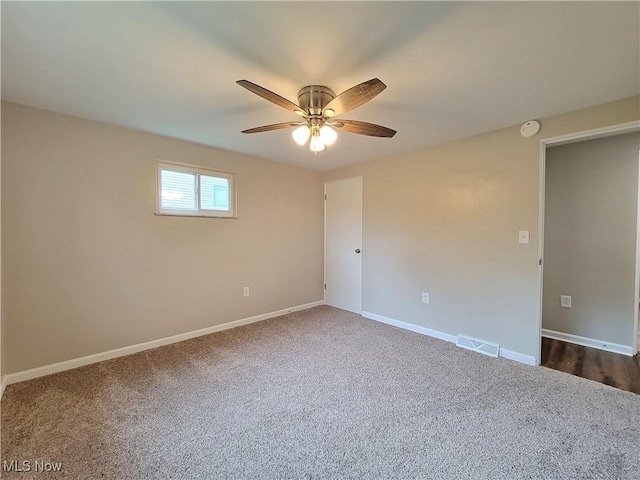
613 369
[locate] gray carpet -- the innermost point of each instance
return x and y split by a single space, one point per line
320 394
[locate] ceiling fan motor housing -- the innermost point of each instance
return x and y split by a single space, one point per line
313 98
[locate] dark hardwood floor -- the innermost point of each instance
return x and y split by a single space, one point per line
609 368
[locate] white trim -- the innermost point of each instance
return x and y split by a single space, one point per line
588 342
593 134
519 357
121 352
410 326
3 384
541 206
637 278
344 179
447 337
324 245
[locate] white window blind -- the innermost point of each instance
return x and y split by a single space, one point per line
178 190
195 191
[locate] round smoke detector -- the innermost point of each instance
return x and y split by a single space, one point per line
530 128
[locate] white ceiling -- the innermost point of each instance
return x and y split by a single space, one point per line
452 69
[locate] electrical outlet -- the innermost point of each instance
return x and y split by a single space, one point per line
425 297
565 301
245 291
523 236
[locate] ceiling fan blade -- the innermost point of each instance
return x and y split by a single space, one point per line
354 97
272 97
275 126
363 128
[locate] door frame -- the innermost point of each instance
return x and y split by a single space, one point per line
593 134
324 236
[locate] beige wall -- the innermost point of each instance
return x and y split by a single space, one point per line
88 267
2 349
445 220
590 238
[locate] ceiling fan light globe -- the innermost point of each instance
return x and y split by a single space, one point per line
317 145
301 134
328 135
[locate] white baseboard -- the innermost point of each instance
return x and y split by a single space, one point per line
3 383
518 357
121 352
447 337
410 326
588 342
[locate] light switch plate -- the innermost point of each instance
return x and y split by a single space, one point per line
565 301
523 236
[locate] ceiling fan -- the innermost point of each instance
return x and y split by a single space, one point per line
318 106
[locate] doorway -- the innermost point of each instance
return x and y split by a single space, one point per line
343 244
588 284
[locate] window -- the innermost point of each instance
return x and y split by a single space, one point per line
195 191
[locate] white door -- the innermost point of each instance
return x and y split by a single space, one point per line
343 244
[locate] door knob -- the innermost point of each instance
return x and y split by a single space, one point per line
357 250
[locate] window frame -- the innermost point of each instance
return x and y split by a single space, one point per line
197 171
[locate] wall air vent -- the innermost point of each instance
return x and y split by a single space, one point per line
480 346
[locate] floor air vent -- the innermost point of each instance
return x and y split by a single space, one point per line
480 346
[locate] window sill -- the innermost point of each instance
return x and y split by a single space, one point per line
195 215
